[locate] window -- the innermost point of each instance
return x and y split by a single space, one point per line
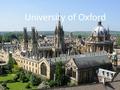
32 64
43 69
103 72
107 73
36 71
36 65
72 73
111 74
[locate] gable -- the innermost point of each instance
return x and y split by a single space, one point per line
71 63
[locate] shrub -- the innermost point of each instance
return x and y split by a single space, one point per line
35 80
28 86
16 77
52 83
23 78
9 81
4 84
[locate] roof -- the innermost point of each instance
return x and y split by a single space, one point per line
81 58
100 30
91 61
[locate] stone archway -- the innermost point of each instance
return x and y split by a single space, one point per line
43 68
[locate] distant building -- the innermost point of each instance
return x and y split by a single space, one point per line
100 40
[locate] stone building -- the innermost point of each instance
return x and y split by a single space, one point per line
100 40
44 48
80 68
84 69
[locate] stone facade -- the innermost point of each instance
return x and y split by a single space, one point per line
100 40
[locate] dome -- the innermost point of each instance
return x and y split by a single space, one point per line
100 30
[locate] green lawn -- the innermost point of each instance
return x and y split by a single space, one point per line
6 77
17 86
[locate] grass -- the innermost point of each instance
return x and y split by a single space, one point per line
17 86
7 77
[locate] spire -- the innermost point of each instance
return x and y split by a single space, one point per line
59 21
25 35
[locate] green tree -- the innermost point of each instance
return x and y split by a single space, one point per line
52 83
59 73
10 63
28 86
23 77
0 38
16 77
79 36
35 80
118 41
60 76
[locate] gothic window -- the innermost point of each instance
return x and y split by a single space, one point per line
43 69
72 73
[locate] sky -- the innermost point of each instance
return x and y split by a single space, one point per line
14 14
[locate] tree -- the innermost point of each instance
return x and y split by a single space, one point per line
23 77
16 77
118 41
59 73
52 83
79 36
28 74
4 84
35 80
28 86
60 76
0 38
10 63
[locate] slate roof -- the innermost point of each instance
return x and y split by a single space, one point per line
91 61
83 60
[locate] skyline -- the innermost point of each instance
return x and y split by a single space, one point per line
12 17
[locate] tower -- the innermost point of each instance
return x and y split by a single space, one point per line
34 42
25 37
59 36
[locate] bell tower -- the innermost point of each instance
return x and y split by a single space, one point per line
25 36
59 36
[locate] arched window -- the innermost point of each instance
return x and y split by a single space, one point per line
72 73
43 69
